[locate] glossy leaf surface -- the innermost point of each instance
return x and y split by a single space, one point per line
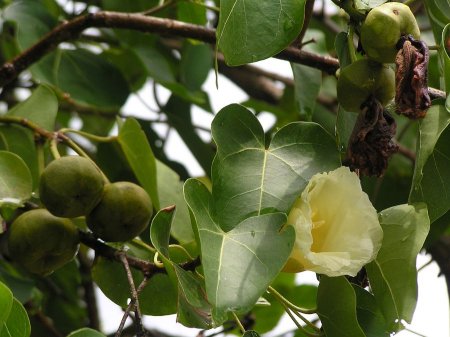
239 264
252 30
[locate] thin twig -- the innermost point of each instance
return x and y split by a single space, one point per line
134 303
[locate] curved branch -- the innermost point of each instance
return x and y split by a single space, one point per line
71 30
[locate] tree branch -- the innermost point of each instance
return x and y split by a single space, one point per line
72 29
146 267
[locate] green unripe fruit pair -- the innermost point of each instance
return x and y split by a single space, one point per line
123 212
41 242
383 27
71 186
362 79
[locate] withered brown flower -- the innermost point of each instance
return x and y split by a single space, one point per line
371 143
411 97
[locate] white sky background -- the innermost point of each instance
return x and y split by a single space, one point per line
431 318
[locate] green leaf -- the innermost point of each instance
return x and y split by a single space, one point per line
158 298
432 161
369 315
193 308
157 64
250 179
267 316
307 85
444 54
191 12
140 156
253 30
336 307
15 180
393 274
6 303
439 15
239 264
178 112
32 20
195 64
341 46
18 323
86 332
40 108
130 65
170 192
345 121
21 142
87 77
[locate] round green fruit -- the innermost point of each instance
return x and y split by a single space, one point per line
383 27
71 186
363 78
123 213
41 242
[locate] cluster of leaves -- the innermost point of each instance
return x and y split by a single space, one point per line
231 218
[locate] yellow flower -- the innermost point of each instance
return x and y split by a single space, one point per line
337 228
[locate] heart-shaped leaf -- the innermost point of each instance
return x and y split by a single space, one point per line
250 179
393 274
193 308
239 264
252 30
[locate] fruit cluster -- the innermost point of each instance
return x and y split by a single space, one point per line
43 240
380 33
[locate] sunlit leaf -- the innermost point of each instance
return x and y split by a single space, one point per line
393 274
252 30
252 178
140 157
21 142
336 307
6 303
239 264
15 180
170 191
17 323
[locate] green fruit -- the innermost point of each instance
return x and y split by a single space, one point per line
42 242
363 78
383 27
122 214
71 186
